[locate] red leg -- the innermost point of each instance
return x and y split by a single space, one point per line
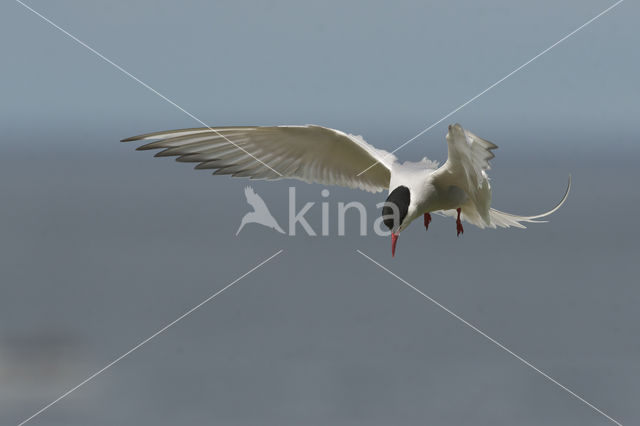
459 228
427 220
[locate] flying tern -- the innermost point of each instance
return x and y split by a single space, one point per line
459 188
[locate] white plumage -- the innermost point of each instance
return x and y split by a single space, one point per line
460 187
308 153
468 160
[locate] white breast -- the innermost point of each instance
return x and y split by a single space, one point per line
416 177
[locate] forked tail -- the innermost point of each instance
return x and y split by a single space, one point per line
505 220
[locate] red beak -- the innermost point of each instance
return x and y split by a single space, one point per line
394 240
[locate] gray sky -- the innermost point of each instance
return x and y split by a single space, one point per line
101 246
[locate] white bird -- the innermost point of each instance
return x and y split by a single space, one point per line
460 187
260 213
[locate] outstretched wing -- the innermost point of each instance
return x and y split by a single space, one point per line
501 219
308 153
465 167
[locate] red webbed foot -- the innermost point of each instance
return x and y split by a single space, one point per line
427 221
459 228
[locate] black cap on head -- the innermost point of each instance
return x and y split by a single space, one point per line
400 198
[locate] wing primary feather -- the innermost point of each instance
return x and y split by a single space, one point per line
308 153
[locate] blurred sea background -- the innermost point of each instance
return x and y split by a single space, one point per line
101 246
